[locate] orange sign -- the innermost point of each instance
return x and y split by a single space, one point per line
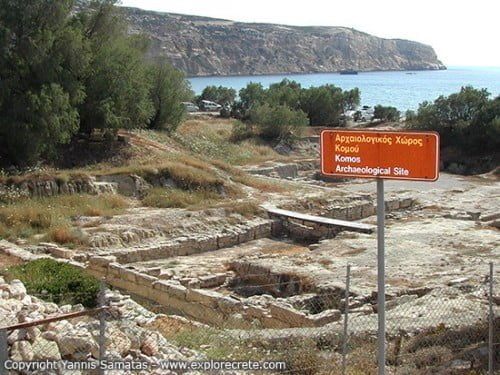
392 155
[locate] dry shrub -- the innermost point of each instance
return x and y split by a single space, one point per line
65 235
41 215
93 211
303 359
61 235
431 357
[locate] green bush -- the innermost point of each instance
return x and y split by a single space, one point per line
57 282
386 113
467 120
278 122
221 95
323 105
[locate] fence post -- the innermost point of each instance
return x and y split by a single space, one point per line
346 319
4 351
490 323
102 324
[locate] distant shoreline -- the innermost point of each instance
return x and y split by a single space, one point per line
393 88
311 72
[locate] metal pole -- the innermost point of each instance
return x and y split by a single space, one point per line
490 324
381 275
346 319
102 324
4 351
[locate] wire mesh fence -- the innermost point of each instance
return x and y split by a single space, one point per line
289 327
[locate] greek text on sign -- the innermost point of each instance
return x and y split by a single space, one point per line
380 154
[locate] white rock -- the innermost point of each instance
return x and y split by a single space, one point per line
457 281
17 289
17 335
45 350
21 351
76 345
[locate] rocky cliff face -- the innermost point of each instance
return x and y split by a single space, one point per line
206 46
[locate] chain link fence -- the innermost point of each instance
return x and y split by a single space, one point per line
431 328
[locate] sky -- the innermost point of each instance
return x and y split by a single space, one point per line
465 33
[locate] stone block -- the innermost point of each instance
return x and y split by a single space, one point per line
263 230
248 234
143 279
392 205
268 321
154 271
292 317
211 281
368 209
354 212
339 213
207 244
205 297
228 305
129 275
101 261
324 317
406 203
170 288
227 240
114 269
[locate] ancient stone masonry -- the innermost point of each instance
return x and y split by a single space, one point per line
162 248
281 170
209 306
51 187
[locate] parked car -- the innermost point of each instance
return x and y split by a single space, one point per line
191 107
207 105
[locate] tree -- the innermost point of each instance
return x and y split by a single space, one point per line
278 122
386 113
221 95
117 88
351 99
42 55
285 93
251 95
451 115
323 104
169 89
484 131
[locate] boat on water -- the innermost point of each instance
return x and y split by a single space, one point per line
349 71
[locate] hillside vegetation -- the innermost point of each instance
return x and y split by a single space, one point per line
64 73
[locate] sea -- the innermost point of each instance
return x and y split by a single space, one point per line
404 90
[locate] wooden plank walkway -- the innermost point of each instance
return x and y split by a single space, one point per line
343 224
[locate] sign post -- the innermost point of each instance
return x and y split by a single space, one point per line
381 276
381 155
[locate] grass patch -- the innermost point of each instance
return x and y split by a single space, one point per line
186 172
260 184
247 209
56 282
176 198
239 176
302 357
213 139
52 215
